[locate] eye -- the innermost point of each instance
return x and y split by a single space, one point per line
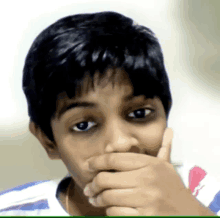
140 113
83 126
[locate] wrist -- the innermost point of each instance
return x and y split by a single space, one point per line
205 211
202 210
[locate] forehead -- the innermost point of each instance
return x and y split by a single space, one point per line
112 78
113 86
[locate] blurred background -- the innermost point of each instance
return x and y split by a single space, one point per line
189 34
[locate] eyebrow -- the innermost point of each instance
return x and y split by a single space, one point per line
86 104
82 104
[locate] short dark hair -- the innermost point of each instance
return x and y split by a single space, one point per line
63 52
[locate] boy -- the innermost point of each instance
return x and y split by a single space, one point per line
99 99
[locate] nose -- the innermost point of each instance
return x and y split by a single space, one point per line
120 138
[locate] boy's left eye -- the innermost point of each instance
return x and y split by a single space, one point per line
141 113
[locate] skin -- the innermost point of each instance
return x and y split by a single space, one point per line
137 149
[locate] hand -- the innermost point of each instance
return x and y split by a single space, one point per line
142 186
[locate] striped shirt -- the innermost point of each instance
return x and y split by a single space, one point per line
34 199
41 198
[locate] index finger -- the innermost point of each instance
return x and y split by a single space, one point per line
120 161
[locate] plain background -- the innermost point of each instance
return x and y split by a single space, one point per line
189 34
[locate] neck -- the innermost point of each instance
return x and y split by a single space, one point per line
78 203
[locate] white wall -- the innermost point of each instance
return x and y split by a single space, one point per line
189 36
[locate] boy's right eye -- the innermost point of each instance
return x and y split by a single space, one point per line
83 126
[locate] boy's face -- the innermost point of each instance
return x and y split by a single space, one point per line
108 122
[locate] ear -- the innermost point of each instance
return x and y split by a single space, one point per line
49 146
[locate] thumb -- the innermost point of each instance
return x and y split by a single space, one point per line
165 150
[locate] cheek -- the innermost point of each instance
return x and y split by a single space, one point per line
153 137
77 150
74 155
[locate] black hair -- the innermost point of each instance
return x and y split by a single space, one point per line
63 52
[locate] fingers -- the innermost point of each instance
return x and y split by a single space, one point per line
106 180
119 197
131 161
121 211
120 161
165 150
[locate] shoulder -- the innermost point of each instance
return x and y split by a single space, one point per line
28 197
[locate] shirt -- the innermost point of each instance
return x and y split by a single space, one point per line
40 198
204 186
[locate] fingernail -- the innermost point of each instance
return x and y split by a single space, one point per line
87 191
92 201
